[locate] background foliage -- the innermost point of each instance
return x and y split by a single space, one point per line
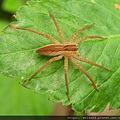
82 95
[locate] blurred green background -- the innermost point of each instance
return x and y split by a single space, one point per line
15 99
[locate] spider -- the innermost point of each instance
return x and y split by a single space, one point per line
67 50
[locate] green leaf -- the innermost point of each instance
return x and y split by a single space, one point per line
19 60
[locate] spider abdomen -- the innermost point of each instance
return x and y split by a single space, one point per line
57 49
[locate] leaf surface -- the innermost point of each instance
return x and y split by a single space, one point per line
18 57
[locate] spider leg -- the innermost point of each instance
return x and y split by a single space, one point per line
82 69
58 28
36 32
65 74
88 37
77 33
47 63
89 62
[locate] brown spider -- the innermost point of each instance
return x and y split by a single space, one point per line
67 49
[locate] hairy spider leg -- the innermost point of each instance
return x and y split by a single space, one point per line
41 68
89 62
89 37
66 75
39 33
82 69
58 28
79 31
76 56
84 38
